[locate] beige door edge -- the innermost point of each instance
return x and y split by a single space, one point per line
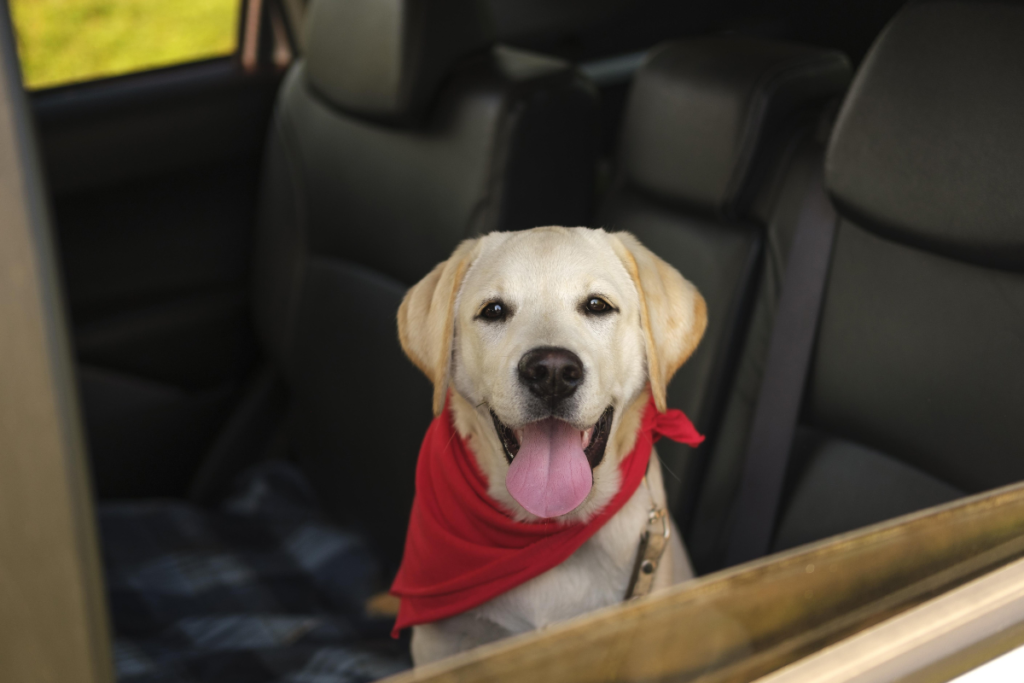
53 620
931 643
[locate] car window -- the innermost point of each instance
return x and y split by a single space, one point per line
71 41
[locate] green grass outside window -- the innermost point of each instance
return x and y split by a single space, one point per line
68 41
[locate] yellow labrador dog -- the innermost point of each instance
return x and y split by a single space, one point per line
550 343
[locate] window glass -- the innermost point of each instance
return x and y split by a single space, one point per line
67 41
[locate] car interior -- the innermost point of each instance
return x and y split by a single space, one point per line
234 241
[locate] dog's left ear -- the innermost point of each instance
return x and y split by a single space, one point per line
426 319
672 312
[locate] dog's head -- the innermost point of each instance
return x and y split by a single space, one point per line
549 338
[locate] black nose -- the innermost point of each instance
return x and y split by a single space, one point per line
551 372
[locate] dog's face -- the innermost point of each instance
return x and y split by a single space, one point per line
549 337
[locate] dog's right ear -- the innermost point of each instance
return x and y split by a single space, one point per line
426 319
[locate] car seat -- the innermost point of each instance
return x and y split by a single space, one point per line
403 131
710 124
914 394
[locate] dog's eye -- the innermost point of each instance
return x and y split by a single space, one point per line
494 311
596 304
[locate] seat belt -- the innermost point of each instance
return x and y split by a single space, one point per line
782 386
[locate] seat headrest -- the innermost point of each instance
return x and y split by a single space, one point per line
701 109
928 147
385 59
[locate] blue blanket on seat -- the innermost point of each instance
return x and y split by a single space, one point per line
261 589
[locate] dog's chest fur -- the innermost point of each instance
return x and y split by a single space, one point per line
595 576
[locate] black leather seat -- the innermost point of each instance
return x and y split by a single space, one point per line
917 382
709 123
403 131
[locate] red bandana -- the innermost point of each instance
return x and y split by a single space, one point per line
463 549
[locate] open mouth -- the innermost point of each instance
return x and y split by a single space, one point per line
551 463
594 440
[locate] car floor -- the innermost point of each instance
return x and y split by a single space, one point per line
259 588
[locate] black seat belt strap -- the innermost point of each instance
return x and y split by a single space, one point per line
779 398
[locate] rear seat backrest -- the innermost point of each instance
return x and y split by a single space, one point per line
403 132
920 353
916 389
706 120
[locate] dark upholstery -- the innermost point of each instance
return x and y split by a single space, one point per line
701 111
922 357
844 485
929 148
702 116
354 211
384 59
921 349
779 210
915 387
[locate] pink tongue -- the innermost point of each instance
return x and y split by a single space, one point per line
550 475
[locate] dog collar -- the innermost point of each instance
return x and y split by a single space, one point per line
653 542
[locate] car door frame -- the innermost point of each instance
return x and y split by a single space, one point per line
53 616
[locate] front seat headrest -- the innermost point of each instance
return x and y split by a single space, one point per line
385 59
928 148
701 109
